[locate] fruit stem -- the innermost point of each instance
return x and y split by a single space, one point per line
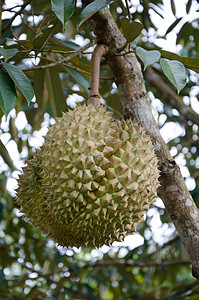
99 51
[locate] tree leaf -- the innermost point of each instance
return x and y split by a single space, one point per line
39 77
63 45
176 297
189 62
182 34
175 72
56 97
63 9
91 9
80 79
173 7
20 80
148 57
196 40
188 6
6 156
174 24
8 53
131 29
8 96
41 40
26 43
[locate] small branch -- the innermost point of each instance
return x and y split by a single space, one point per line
60 62
12 8
57 51
170 96
87 73
137 264
94 96
127 6
7 25
71 66
182 290
169 243
1 5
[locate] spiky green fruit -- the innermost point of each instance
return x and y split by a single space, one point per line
92 179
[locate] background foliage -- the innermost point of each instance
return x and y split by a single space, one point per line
32 38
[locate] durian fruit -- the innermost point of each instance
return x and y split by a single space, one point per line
92 179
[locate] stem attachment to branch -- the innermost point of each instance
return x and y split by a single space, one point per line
94 97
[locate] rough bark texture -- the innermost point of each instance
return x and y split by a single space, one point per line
131 88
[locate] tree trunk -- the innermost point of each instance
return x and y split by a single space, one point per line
131 88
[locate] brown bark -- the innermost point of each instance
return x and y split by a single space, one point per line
129 79
94 97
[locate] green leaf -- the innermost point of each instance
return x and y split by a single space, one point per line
63 45
63 9
8 96
174 24
182 34
56 97
39 87
26 43
41 40
173 7
6 156
148 57
90 10
2 278
175 72
176 297
188 6
189 62
8 53
21 81
131 29
80 79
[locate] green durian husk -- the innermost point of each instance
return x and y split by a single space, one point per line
91 181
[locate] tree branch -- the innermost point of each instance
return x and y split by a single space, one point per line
170 96
67 65
128 77
94 96
183 290
62 61
9 23
136 264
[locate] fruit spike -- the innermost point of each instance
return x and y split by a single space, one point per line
91 181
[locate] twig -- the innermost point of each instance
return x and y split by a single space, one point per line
60 62
11 8
1 4
87 73
127 6
7 25
73 67
137 264
182 291
94 96
169 243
